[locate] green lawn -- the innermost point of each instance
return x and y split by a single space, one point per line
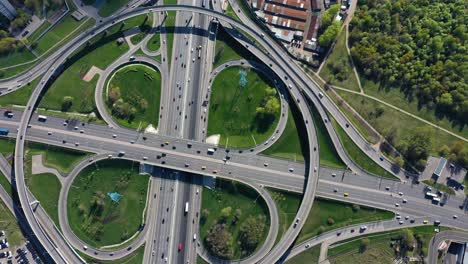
397 98
104 222
155 42
18 56
31 38
237 196
309 256
359 157
200 260
338 69
379 249
327 151
57 33
46 188
385 123
134 258
342 215
100 52
136 83
137 38
7 146
61 159
110 6
19 97
15 69
292 144
227 49
233 109
8 222
230 12
287 205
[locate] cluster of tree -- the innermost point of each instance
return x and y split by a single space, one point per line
37 5
9 44
20 21
418 47
328 16
415 147
123 109
270 104
457 153
67 103
251 233
330 34
219 241
339 69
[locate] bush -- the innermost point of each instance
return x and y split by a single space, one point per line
330 221
219 241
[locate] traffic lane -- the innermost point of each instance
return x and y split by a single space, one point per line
182 220
197 148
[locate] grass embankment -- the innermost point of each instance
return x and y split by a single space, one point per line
93 216
379 248
338 69
46 187
18 56
342 214
100 52
227 49
244 203
359 157
140 87
309 256
292 143
6 184
9 224
134 258
7 145
19 97
384 121
233 109
287 205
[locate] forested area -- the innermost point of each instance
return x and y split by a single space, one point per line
416 46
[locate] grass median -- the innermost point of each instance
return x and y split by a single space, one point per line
96 218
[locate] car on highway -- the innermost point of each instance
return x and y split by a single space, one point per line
345 194
397 205
180 247
455 216
425 222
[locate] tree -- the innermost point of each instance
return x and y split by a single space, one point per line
226 212
237 215
356 207
408 239
364 244
415 147
444 151
330 221
219 241
67 102
330 34
143 104
251 232
329 15
114 94
399 161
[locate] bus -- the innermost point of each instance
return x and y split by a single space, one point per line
4 131
42 118
431 195
211 151
186 207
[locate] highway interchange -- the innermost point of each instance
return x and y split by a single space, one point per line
188 87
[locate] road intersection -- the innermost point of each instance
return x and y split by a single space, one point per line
246 167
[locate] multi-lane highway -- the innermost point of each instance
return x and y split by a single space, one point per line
191 158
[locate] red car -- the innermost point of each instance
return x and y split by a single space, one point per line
180 246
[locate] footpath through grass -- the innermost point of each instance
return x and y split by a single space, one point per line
384 121
359 157
233 108
309 256
100 52
292 144
328 215
380 246
243 201
140 88
93 216
338 69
